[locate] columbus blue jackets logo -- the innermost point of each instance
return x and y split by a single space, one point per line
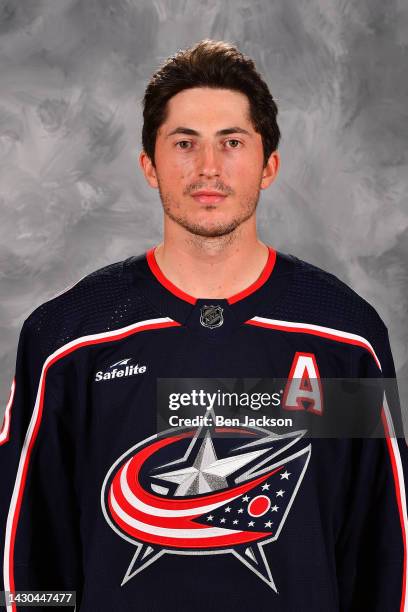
189 491
211 316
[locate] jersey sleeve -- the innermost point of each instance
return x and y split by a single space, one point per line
372 544
39 515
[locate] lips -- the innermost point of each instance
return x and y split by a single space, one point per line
207 197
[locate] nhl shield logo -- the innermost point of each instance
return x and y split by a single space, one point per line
211 316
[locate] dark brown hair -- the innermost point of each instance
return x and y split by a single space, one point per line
209 63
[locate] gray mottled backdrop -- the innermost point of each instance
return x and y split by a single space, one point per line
72 197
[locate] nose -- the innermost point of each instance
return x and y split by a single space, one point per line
209 161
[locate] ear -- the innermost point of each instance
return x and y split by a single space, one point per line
270 171
148 169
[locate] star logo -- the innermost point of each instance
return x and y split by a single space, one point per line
187 491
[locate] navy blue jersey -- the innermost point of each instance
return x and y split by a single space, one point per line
95 498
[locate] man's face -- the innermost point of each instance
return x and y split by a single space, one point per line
208 143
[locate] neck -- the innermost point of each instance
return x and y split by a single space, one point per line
212 267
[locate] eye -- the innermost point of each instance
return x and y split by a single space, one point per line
238 142
182 142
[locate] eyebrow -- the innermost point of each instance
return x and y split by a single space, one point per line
224 132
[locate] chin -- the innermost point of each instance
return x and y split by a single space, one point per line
208 225
211 230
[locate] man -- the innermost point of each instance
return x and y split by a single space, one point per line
125 484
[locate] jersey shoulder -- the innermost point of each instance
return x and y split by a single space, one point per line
319 297
105 299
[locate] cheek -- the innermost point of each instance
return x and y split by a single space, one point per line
185 167
178 171
244 172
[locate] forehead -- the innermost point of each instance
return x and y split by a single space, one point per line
210 106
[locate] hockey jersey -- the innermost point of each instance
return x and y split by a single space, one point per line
107 491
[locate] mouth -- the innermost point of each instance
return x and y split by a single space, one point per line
209 198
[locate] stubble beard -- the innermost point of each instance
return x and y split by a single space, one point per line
220 229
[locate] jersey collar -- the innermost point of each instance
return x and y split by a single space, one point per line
173 302
265 274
